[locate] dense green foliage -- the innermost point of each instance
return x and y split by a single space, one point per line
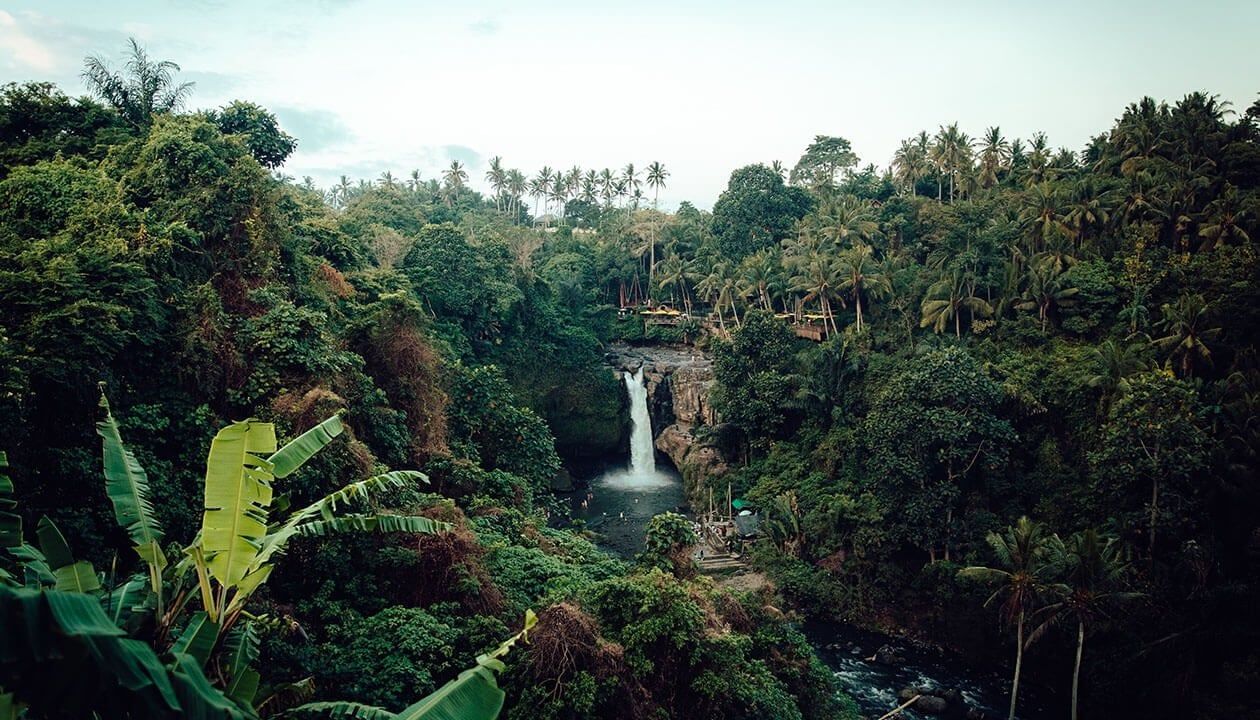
1011 330
152 250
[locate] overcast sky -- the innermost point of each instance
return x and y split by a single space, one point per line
703 87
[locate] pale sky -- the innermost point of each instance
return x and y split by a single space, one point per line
703 87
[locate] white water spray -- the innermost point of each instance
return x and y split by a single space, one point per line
642 453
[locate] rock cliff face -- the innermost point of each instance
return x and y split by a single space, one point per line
679 382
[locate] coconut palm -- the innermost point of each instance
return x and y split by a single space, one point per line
630 177
947 298
911 163
1041 214
1114 363
540 186
847 218
816 278
1089 209
145 88
859 275
453 179
1186 324
497 177
995 156
951 153
387 180
1038 158
758 275
1225 217
1093 571
1023 555
1047 289
674 272
516 186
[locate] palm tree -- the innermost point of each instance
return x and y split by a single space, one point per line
674 271
1186 324
541 187
1046 290
758 274
453 179
816 278
656 175
516 186
607 186
859 275
590 186
144 89
414 182
343 191
1038 158
1041 214
1093 571
911 162
497 177
1114 363
1023 553
1088 209
951 153
631 179
559 193
845 218
387 180
947 298
995 156
1225 217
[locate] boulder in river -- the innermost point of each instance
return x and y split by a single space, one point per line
888 655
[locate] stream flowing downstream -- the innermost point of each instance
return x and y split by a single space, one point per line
618 503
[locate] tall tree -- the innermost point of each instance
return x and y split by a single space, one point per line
143 89
1093 572
1022 574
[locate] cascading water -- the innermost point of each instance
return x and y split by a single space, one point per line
642 453
621 501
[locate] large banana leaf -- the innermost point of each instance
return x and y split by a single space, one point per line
373 523
242 649
325 507
71 576
340 709
475 694
61 655
292 456
128 488
237 498
197 639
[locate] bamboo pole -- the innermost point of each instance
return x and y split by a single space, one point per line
900 708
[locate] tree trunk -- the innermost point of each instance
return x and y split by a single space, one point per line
1150 550
957 323
1076 671
1019 661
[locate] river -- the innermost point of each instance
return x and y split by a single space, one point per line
618 502
874 686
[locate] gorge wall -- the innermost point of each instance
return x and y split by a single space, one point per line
679 381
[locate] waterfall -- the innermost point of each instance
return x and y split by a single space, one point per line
642 453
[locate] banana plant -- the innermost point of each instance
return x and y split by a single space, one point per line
66 626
